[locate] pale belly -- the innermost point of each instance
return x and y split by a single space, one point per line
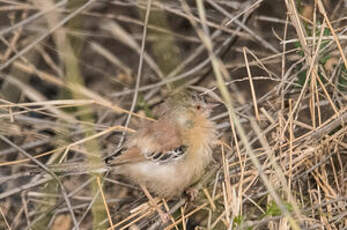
165 180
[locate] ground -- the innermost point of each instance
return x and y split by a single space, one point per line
72 72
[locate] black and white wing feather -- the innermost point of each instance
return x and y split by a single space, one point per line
164 157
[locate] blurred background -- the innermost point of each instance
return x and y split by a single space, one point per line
76 76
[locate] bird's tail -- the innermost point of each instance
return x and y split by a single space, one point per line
74 168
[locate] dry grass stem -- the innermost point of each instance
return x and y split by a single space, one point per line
78 77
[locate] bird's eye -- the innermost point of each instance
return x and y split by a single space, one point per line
198 107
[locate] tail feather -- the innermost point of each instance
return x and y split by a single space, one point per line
74 168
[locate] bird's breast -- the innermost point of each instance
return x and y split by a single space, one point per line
166 180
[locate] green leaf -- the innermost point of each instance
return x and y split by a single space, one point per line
274 210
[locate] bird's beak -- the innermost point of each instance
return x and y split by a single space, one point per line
212 106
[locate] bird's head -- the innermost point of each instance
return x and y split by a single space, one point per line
189 111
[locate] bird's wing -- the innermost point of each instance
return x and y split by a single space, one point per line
167 156
124 156
159 142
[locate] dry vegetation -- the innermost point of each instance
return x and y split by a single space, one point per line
72 73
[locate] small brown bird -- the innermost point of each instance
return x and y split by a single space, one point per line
165 156
170 154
